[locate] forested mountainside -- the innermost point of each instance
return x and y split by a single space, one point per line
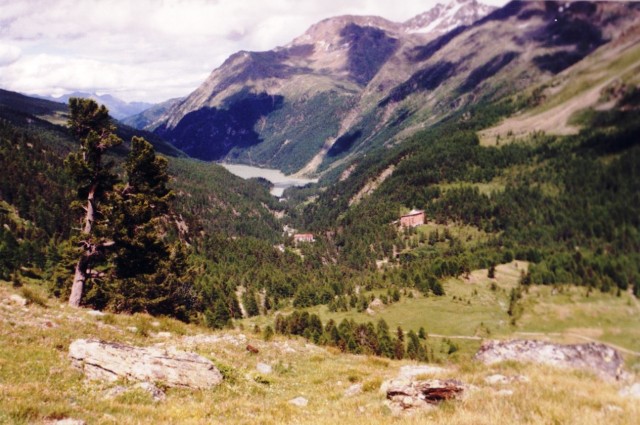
479 179
37 193
564 201
352 84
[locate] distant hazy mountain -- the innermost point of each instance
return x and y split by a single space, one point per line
38 113
117 108
352 83
147 119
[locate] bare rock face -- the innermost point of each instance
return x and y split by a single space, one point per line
403 396
600 359
110 361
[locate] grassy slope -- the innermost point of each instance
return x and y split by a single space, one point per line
38 382
568 93
471 305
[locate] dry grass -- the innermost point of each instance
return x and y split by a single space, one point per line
37 382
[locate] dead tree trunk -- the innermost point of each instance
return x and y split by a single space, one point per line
80 275
79 280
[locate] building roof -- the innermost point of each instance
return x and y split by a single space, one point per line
413 212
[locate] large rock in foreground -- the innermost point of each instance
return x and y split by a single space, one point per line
408 396
110 361
600 359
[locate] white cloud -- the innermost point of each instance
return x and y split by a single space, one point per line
8 54
153 49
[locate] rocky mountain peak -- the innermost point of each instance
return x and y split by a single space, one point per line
444 17
328 35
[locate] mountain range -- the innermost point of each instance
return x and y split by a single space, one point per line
354 83
118 108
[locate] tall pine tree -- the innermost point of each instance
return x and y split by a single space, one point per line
149 274
94 179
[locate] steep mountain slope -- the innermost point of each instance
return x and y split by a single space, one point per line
281 107
466 66
596 83
35 141
148 118
350 84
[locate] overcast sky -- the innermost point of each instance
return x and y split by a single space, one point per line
153 50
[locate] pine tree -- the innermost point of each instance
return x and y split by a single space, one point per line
422 334
398 350
413 345
491 274
250 303
94 179
384 338
220 317
139 205
149 274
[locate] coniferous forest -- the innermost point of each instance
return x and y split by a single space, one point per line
166 239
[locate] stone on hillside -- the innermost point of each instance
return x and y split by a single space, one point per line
111 361
505 380
611 408
601 359
376 304
18 300
403 396
95 313
156 393
264 368
353 390
114 392
299 401
67 421
633 391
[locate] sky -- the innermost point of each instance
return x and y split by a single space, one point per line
154 50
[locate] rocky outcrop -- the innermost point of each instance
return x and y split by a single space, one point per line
110 361
405 396
600 359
